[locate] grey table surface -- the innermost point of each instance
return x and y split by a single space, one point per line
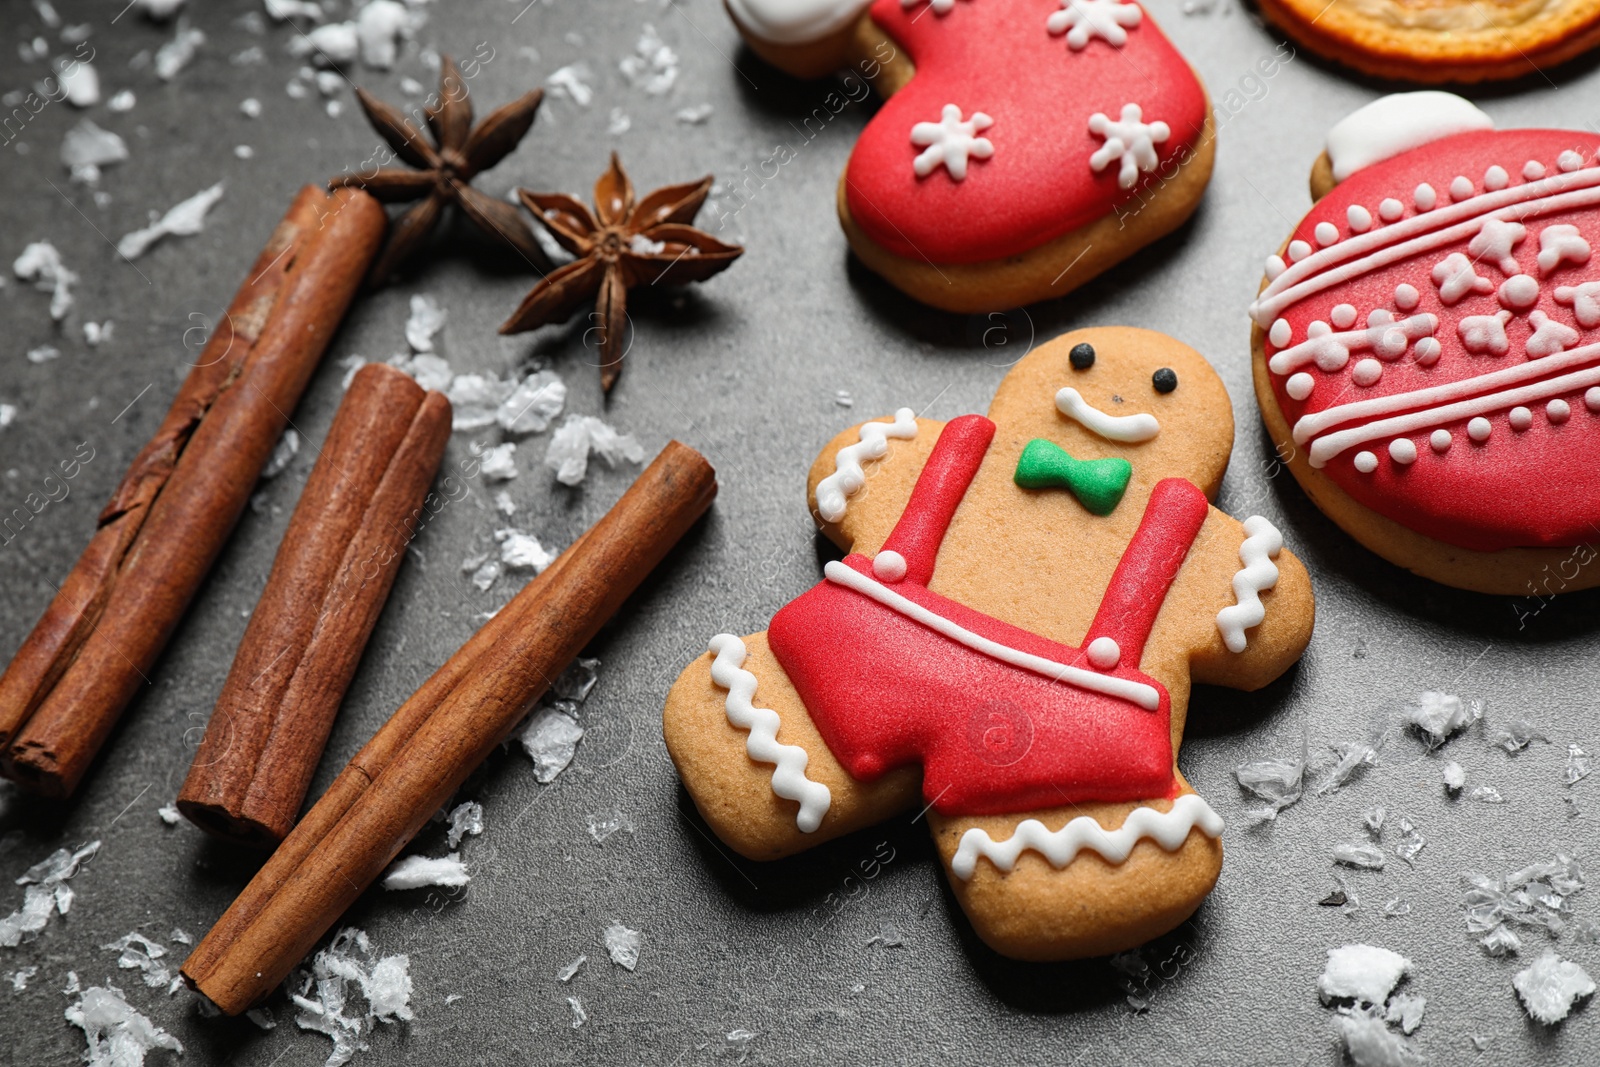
745 369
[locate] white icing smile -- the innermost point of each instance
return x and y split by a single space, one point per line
1128 429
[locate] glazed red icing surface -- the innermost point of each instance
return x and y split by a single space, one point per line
997 57
1530 482
885 691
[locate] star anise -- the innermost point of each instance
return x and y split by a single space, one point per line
622 246
445 169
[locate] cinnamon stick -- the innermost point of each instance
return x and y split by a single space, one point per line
329 582
172 513
433 742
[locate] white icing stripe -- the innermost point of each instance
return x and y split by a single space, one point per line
1311 425
1169 829
848 477
1261 546
1342 344
1145 696
789 776
1377 248
795 21
1129 429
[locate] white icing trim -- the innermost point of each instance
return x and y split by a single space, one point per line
789 774
1331 351
1261 546
1128 429
1169 829
848 477
1145 696
1084 20
1398 123
795 21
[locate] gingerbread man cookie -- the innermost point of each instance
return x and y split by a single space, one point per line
1010 643
1427 344
1025 145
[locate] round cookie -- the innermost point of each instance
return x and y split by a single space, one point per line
1009 644
1426 353
976 188
1439 41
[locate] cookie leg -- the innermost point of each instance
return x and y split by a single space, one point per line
750 756
1095 902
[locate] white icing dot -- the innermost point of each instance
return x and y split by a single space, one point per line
1440 441
1275 267
889 566
1344 316
1569 161
1520 418
1558 411
1104 653
1390 209
1495 178
1427 351
1533 170
1392 345
1318 329
1519 291
1280 333
1366 462
1479 429
1366 372
1298 250
1299 385
1424 197
1360 218
1403 451
1406 296
1326 233
1380 317
1461 187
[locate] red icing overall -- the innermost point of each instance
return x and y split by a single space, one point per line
1002 720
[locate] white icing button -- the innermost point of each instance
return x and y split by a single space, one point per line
1479 429
1461 187
1366 462
1533 170
1427 351
889 566
1280 333
1440 441
1519 291
1299 386
1403 451
1569 161
1298 250
1495 178
1359 218
1520 418
1275 267
1406 296
1380 317
1326 233
1591 399
1367 372
1344 316
1390 209
1104 653
1424 197
1557 411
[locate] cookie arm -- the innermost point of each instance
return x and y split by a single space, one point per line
861 480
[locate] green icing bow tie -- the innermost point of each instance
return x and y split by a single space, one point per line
1097 483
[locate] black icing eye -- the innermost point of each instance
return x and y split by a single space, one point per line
1082 356
1165 380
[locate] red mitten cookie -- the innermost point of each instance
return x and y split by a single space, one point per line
1010 644
1026 147
1426 346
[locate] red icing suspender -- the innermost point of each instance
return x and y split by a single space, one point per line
943 482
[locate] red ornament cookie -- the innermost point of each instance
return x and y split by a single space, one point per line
1428 344
1025 145
1008 646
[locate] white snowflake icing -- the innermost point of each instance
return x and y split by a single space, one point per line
1084 20
950 141
1561 244
1585 301
1130 140
1486 333
1495 240
1456 277
1549 336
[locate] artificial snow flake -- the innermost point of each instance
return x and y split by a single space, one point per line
176 54
695 115
80 83
622 945
1536 895
579 1016
653 66
414 872
1550 986
1130 140
1486 794
606 823
1517 734
1455 776
283 454
522 551
1411 841
581 435
1364 974
138 952
1359 854
551 740
181 220
499 463
322 993
475 398
533 404
86 148
380 28
572 82
117 1034
1084 20
41 264
566 973
1353 757
466 820
46 894
1578 765
950 141
1501 941
427 319
1439 715
1406 1009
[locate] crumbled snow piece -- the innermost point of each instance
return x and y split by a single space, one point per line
380 27
87 145
466 820
180 936
566 973
243 151
475 399
622 944
1536 895
262 1017
176 54
41 264
499 463
1455 776
579 1016
8 415
696 115
182 220
21 977
97 333
1359 854
520 551
1578 765
329 82
47 14
1501 941
843 398
1516 735
415 872
1411 841
618 123
1488 794
504 504
427 318
1395 908
576 682
1364 974
1550 986
80 82
653 66
140 953
295 90
323 993
43 354
551 740
169 813
580 435
1439 715
606 823
483 569
1406 1009
412 87
533 404
335 43
1369 1042
290 10
46 894
741 1037
160 10
1373 820
122 101
889 937
250 107
283 454
430 370
1353 757
572 82
118 1035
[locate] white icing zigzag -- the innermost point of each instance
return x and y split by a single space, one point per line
848 477
789 778
1261 546
1169 829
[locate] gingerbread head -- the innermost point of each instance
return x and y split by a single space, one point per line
1010 643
